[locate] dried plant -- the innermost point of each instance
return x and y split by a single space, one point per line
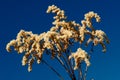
57 42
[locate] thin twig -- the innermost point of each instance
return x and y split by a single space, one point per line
70 65
62 63
61 78
68 61
85 74
80 73
67 64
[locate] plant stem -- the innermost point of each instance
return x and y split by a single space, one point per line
74 78
80 73
85 74
62 63
61 78
70 65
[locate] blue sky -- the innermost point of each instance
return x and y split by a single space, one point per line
30 15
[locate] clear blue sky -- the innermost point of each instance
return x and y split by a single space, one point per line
30 15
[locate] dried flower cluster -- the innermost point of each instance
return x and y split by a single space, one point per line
62 35
79 56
